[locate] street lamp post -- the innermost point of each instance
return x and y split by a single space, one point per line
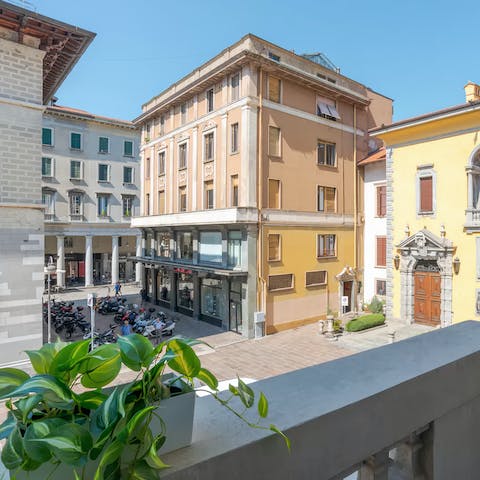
49 269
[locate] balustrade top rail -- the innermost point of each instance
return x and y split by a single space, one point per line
339 413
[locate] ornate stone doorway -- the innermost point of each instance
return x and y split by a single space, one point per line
426 279
347 287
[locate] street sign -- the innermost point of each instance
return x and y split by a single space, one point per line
91 299
345 301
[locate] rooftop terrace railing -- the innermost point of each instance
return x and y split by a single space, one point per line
409 410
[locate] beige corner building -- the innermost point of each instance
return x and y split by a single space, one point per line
249 188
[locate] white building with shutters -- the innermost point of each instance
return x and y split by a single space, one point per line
375 225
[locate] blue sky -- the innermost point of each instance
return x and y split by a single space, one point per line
420 53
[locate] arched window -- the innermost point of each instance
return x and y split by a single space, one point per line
473 174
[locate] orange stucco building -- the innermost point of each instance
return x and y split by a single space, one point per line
250 189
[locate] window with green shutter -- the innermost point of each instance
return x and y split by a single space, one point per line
103 173
47 164
102 145
75 141
75 170
47 136
127 175
127 148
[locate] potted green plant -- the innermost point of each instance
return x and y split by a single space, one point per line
63 423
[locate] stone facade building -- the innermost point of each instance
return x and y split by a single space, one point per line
90 189
250 188
36 54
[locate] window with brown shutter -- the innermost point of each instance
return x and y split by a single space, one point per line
273 193
426 194
381 201
274 86
161 202
315 278
280 282
273 247
274 141
381 251
326 199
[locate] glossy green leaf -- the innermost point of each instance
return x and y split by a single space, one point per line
111 454
91 399
7 426
111 409
137 421
152 458
100 366
40 429
66 362
208 378
186 361
10 379
70 444
262 405
233 389
55 393
136 351
42 358
13 452
142 471
246 393
273 428
27 404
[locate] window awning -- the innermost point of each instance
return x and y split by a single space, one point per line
76 190
328 110
49 189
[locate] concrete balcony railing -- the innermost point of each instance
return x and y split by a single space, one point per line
472 218
410 410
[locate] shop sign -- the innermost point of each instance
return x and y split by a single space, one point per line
182 270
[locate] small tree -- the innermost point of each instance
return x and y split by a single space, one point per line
376 305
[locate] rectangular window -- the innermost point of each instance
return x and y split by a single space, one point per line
127 205
128 175
381 249
183 113
235 87
75 170
163 242
426 194
326 246
210 247
102 205
326 199
274 250
182 155
161 202
47 167
103 145
147 132
273 193
184 245
147 167
209 147
47 137
76 201
75 141
381 200
280 282
274 56
326 108
146 208
274 141
326 154
161 163
234 138
48 200
315 278
380 287
68 242
209 96
182 199
162 125
234 248
234 190
274 89
209 195
103 173
127 148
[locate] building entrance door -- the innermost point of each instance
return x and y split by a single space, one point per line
427 295
347 292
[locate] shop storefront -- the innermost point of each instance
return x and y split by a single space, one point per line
164 287
213 304
185 291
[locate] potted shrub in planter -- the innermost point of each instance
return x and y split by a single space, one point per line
62 423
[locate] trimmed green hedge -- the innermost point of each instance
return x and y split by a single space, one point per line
367 321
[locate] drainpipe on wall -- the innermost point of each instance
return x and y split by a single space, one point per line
355 206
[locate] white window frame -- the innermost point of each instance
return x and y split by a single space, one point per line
204 145
133 147
425 171
53 137
80 205
325 164
318 198
52 167
132 176
108 145
81 141
107 212
335 255
81 170
108 173
375 287
131 199
50 207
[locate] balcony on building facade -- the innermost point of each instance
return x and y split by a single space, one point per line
472 220
410 410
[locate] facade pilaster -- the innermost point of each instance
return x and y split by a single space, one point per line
115 258
138 252
194 167
222 161
61 261
88 261
248 156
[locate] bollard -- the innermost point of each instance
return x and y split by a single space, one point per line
321 327
391 337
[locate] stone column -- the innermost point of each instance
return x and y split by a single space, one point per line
195 246
114 259
375 467
196 296
60 261
139 265
173 291
88 261
224 247
154 273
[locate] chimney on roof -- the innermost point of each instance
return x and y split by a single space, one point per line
472 92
